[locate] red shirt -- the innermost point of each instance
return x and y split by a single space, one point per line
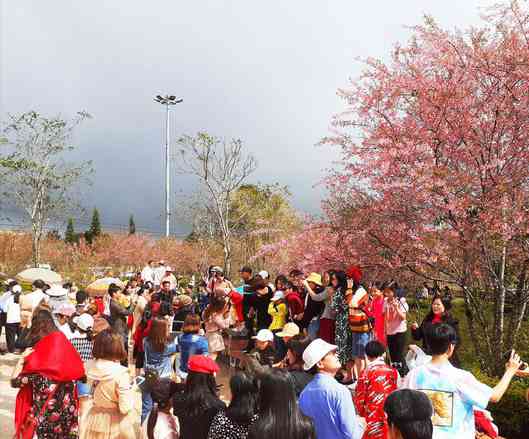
376 382
295 304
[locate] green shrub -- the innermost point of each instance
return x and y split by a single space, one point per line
511 414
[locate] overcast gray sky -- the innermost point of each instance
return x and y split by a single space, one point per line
264 71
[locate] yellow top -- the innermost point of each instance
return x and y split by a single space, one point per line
279 315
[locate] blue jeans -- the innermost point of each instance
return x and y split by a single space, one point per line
314 327
146 404
83 389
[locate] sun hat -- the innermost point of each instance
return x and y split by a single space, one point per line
84 322
278 295
315 351
264 274
289 330
264 335
185 300
315 278
56 291
202 364
65 309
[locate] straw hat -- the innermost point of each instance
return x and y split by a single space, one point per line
315 278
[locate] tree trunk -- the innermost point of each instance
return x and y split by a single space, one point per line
35 248
227 255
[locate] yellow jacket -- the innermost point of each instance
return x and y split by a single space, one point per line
279 315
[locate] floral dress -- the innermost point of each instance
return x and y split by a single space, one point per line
60 418
343 335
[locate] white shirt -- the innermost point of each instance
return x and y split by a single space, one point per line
454 393
66 330
159 274
35 298
147 274
13 310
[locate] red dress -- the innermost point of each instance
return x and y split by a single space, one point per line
376 382
375 309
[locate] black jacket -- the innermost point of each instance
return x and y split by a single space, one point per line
426 327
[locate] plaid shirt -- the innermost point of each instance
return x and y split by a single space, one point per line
84 347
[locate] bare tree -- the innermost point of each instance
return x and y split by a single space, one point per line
221 167
33 174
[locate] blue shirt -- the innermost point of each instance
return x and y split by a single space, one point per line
191 344
4 300
330 405
161 361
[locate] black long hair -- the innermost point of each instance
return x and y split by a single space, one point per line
201 393
341 277
279 414
244 393
162 391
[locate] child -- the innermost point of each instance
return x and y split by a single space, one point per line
161 424
216 319
375 383
279 312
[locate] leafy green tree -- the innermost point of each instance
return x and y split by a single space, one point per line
34 175
70 236
132 225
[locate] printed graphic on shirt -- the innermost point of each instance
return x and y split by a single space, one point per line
443 407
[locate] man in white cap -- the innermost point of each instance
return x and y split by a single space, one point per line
328 403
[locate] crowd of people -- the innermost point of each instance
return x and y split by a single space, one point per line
324 357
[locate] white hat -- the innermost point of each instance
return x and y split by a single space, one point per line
264 335
289 330
16 289
84 322
168 268
315 351
56 291
264 274
278 295
162 262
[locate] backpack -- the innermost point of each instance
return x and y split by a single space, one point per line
359 321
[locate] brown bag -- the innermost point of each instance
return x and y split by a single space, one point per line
30 424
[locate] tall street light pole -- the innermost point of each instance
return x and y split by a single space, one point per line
167 101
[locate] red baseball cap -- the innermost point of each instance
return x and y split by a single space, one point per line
202 364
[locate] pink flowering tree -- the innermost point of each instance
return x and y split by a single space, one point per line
435 168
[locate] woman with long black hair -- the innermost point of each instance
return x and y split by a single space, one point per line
279 416
233 422
161 424
197 401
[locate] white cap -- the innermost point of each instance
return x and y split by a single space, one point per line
168 268
264 274
56 291
16 288
264 335
278 295
315 351
84 322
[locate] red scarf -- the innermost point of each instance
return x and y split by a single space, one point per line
53 357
